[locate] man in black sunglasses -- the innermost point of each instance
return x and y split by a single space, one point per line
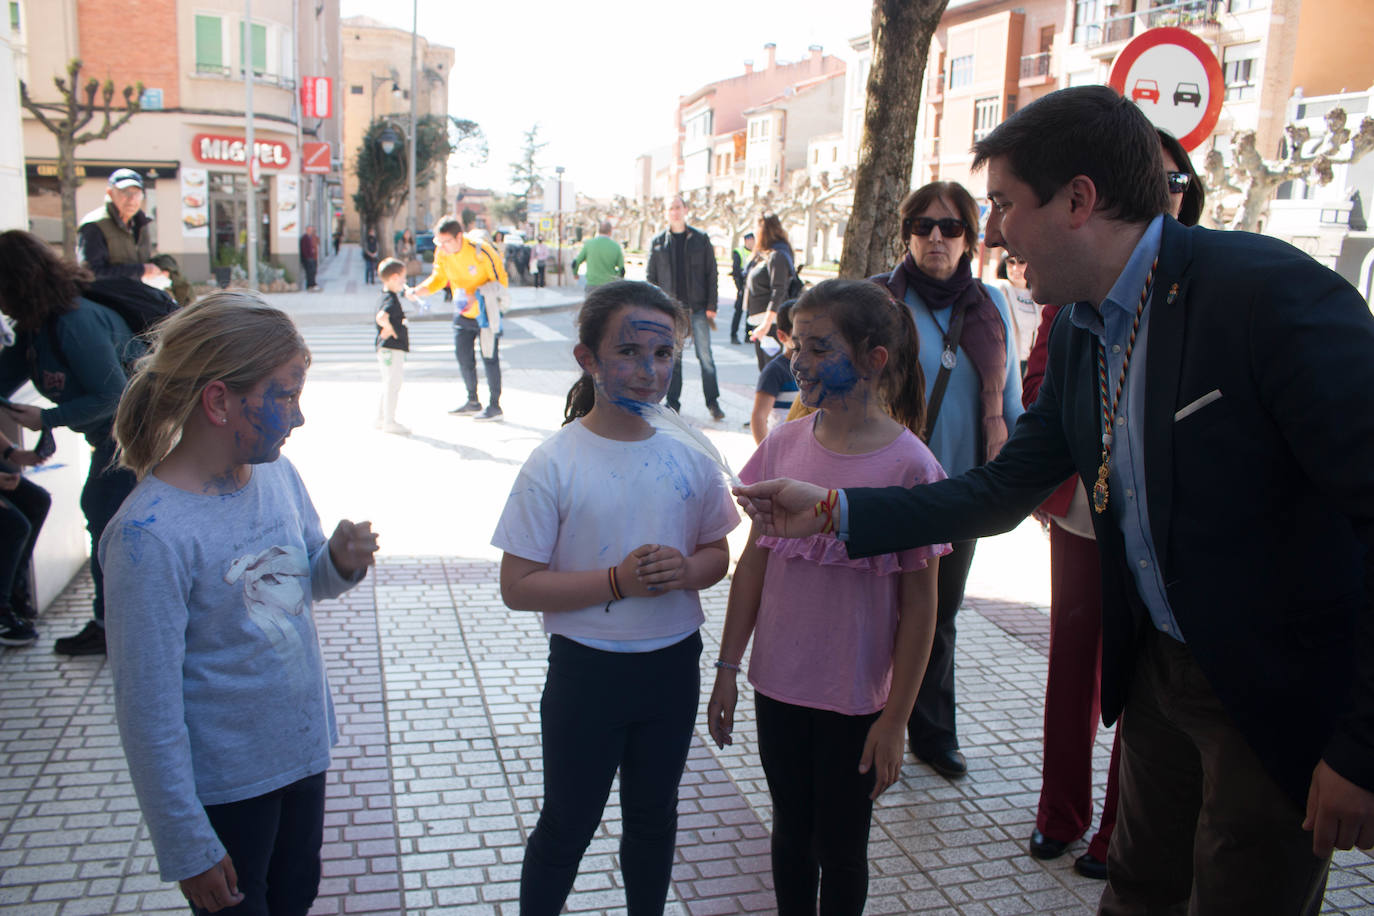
1214 391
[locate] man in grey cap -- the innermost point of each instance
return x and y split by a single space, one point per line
116 240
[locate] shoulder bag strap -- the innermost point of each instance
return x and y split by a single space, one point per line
937 391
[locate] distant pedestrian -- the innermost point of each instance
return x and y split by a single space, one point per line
741 260
682 263
338 235
214 562
623 681
473 270
539 262
604 257
393 343
372 253
310 256
116 239
768 282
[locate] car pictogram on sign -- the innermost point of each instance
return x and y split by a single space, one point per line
1145 89
1188 92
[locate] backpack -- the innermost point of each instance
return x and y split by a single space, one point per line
795 287
140 305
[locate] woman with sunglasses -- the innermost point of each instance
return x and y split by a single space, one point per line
968 358
1072 680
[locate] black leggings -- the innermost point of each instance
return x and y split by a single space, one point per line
603 711
821 810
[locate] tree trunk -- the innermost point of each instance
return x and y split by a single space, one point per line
67 184
902 30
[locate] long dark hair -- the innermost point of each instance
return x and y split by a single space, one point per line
602 304
867 317
36 282
770 232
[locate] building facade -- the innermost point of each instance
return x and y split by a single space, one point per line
712 125
188 142
377 80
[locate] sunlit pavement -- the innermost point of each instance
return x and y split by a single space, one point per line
436 782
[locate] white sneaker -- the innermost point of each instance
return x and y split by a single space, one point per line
396 428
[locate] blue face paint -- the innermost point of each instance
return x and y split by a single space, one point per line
635 359
275 414
825 374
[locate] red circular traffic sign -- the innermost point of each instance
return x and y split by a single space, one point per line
1175 79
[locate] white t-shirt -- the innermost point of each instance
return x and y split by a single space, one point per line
584 502
1025 315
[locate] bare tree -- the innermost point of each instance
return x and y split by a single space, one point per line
1255 179
902 30
65 121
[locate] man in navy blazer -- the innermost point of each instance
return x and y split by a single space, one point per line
1234 378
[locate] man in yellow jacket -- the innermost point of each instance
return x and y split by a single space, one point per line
467 266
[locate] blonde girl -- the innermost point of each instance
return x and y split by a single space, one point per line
212 565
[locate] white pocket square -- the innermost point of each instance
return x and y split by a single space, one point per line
1209 397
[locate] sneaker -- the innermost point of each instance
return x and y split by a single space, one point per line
16 631
396 429
491 413
22 604
90 641
469 407
716 412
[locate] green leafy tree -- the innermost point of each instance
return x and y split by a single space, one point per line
382 178
525 176
66 119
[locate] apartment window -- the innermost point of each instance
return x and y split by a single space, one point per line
987 114
259 48
209 44
834 154
355 90
1087 20
1240 6
1238 70
14 15
815 157
960 71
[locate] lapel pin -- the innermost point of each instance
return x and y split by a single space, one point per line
1173 294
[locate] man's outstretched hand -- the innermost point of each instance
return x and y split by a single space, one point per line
784 508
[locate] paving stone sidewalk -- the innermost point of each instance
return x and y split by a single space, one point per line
436 782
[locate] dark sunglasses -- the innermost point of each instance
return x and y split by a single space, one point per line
950 227
1178 181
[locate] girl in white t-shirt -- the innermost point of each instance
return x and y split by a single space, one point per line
609 531
840 645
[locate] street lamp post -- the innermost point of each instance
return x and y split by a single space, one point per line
414 127
251 159
559 170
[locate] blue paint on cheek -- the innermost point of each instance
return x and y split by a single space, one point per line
837 377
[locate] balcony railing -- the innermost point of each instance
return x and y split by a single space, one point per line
230 73
1033 65
1184 14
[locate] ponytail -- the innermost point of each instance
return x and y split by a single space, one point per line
903 383
581 399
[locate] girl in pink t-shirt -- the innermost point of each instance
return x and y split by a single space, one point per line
840 645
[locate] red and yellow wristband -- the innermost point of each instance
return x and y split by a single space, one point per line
827 508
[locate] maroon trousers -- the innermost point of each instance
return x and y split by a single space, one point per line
1072 698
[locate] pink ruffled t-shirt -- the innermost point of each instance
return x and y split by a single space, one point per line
826 623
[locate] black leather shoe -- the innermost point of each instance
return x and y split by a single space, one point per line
948 763
1090 867
1042 847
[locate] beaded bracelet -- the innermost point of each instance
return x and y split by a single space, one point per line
722 663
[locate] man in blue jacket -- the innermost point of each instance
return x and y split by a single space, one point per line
1215 393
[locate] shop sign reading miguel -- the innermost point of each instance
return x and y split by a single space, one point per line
217 149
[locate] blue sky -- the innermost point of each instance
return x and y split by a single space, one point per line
602 77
